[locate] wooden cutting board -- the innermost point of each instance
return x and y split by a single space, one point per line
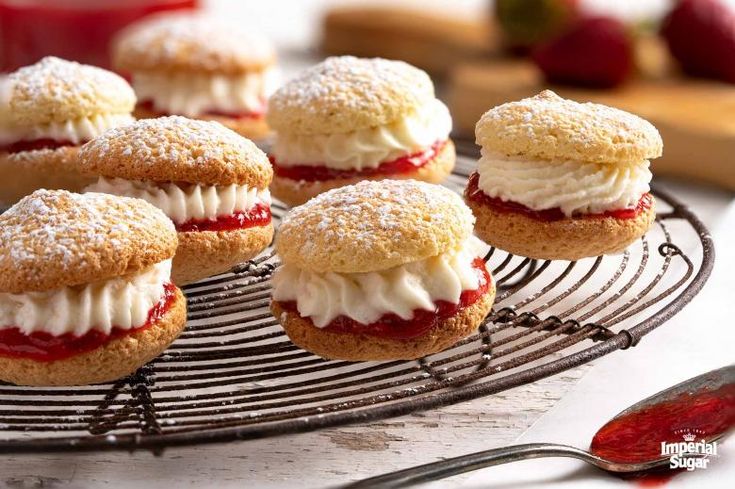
696 118
430 40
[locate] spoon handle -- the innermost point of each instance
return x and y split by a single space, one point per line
466 463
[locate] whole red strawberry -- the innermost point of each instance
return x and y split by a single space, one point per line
594 51
701 36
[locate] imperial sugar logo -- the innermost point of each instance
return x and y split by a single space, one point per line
689 453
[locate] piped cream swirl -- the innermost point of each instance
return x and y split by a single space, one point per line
195 94
366 148
193 201
121 302
365 297
76 131
574 187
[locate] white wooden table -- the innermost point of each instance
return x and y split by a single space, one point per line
309 460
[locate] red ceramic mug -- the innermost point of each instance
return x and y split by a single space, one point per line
72 29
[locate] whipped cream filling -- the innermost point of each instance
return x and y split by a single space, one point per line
366 148
365 297
574 187
121 302
194 94
76 131
189 202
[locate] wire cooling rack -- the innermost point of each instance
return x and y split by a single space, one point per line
233 374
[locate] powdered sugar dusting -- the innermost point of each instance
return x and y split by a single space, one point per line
202 40
354 83
548 110
55 229
371 213
54 82
175 140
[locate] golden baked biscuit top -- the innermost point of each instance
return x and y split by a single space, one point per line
549 127
345 93
192 42
56 90
373 225
54 238
176 149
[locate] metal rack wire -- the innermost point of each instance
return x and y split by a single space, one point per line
233 374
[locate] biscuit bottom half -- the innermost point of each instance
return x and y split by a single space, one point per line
296 192
202 254
363 347
27 171
571 238
252 127
114 359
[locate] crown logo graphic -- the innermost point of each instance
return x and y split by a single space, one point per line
689 437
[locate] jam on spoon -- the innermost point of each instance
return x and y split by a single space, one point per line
630 443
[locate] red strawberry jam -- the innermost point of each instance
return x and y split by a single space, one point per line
45 347
393 327
255 114
35 145
474 194
258 215
404 164
637 437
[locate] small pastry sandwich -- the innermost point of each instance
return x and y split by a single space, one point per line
211 182
561 180
380 271
47 110
200 67
85 288
349 119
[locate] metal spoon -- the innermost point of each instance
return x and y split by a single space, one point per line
716 380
